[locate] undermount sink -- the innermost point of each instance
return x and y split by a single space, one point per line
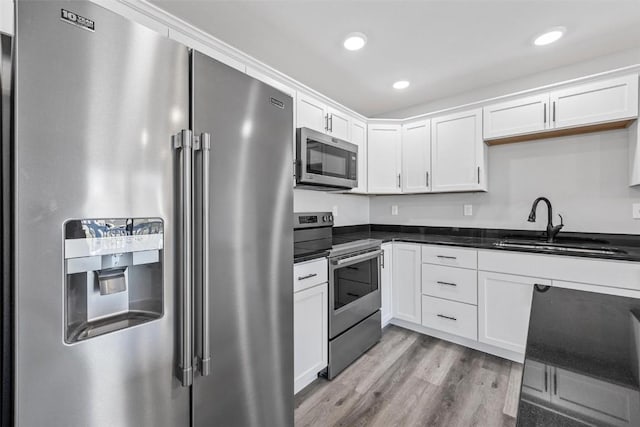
559 247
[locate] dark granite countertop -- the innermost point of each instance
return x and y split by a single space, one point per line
479 238
581 337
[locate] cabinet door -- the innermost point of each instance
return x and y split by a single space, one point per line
416 157
536 381
600 400
339 124
504 304
386 283
310 113
384 151
516 117
592 103
359 137
458 152
406 282
310 334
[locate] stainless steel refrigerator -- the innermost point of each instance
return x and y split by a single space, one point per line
151 207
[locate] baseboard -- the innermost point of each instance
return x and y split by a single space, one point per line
476 345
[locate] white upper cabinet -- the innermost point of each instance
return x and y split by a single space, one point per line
416 157
516 117
359 137
6 17
315 114
338 124
597 102
578 106
310 113
384 151
458 152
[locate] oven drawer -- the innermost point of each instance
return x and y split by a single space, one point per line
457 284
452 257
452 317
310 273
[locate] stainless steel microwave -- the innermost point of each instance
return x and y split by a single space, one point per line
325 162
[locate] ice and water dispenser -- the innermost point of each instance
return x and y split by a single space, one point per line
113 275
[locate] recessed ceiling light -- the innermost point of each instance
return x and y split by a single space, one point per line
402 84
549 36
355 41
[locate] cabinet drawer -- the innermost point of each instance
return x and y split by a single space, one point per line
452 257
452 317
457 284
310 273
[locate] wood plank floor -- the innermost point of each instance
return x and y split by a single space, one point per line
409 379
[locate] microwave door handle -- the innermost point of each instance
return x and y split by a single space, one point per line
183 143
205 348
356 259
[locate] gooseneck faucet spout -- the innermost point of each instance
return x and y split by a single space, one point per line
552 230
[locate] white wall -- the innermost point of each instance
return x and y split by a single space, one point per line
597 65
585 177
352 210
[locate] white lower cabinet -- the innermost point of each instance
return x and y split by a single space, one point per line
453 317
504 304
310 334
582 395
406 282
386 291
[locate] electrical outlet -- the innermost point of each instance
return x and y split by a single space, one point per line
635 210
468 210
334 211
394 210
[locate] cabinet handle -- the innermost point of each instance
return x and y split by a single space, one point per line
427 178
545 380
545 112
331 123
399 186
446 317
382 260
446 283
554 111
445 257
308 276
478 174
555 382
326 122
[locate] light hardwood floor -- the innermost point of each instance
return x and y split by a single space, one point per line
409 379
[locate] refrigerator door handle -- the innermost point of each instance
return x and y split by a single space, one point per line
205 357
183 142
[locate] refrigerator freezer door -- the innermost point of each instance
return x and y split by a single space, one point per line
98 99
251 249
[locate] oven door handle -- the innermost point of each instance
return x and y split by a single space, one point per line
357 258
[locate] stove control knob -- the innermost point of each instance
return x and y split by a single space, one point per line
325 218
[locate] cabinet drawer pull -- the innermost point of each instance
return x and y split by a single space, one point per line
446 317
446 283
308 276
446 257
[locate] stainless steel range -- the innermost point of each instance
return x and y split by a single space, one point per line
354 301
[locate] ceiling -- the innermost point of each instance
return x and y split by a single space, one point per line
443 47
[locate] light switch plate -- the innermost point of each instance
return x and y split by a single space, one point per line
635 210
394 210
468 210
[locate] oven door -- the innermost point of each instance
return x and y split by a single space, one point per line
354 289
326 161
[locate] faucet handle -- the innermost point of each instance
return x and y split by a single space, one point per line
561 221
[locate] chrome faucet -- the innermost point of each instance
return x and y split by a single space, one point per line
552 230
